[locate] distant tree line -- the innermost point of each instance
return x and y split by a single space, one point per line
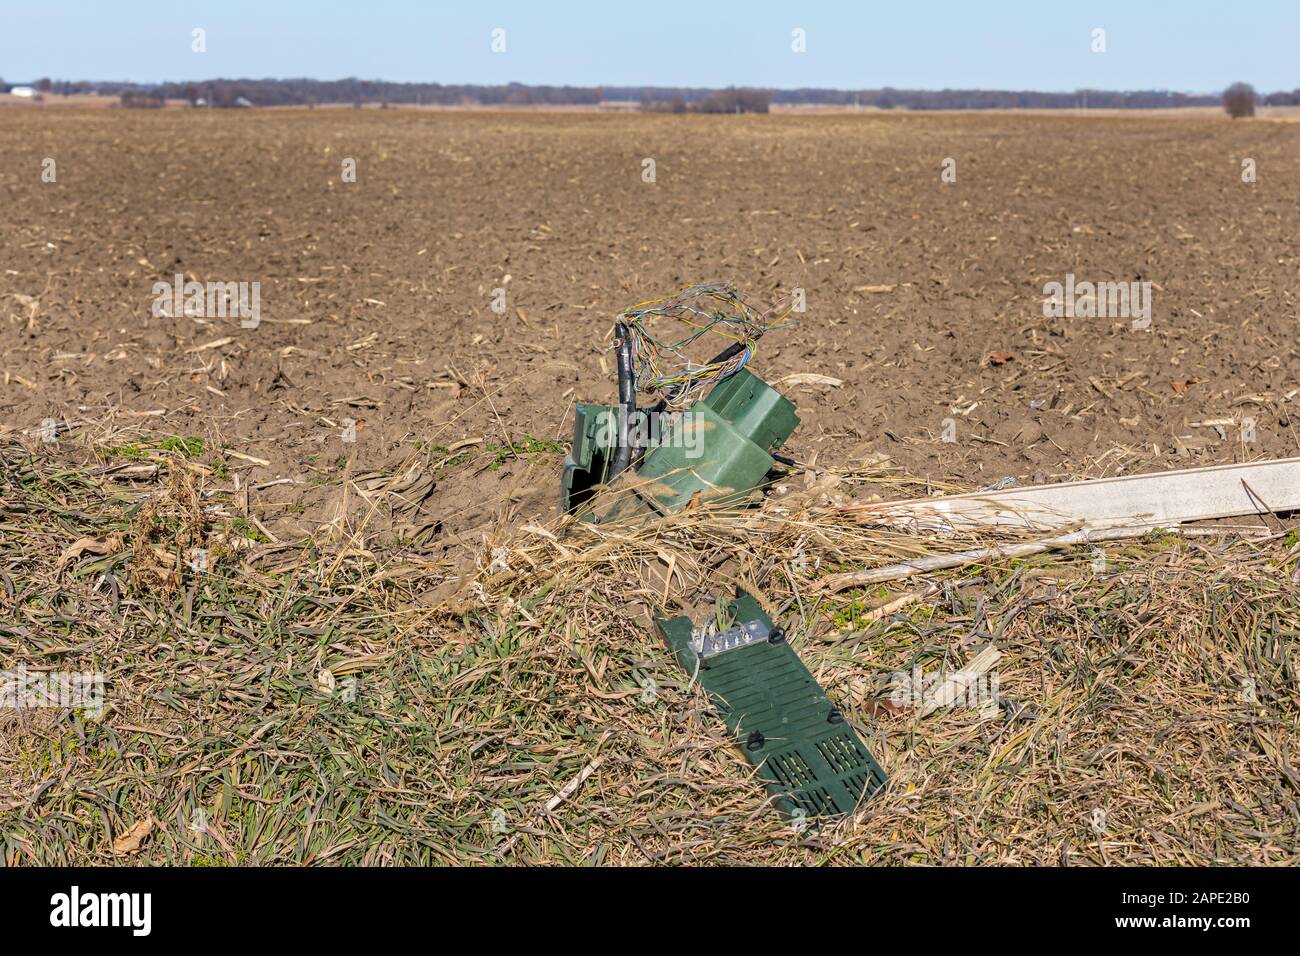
305 92
64 87
948 99
663 98
730 100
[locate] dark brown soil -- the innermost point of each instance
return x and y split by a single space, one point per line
376 295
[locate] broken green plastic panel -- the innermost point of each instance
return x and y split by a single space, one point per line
587 464
809 757
720 448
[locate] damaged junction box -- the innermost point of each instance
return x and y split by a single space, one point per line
688 448
720 448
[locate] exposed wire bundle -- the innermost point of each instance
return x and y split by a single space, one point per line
710 307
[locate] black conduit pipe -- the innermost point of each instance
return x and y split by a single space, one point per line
626 401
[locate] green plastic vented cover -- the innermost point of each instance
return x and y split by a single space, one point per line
755 409
810 758
721 448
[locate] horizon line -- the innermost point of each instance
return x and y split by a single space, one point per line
640 86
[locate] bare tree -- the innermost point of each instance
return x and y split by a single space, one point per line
1239 100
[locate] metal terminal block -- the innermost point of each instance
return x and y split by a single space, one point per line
733 638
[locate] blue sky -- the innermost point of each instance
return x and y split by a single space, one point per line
1192 45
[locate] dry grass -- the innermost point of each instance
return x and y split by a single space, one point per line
345 701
